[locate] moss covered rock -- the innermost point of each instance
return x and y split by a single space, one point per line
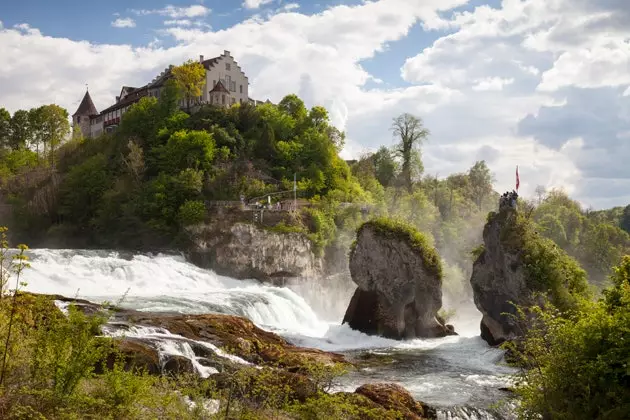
399 278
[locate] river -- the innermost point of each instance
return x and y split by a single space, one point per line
461 374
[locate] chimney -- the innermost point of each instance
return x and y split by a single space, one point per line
201 58
117 99
226 53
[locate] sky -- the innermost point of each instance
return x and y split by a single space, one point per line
542 84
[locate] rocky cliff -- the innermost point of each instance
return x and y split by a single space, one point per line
399 279
243 250
513 266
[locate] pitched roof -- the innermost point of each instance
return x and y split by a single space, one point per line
131 98
86 107
219 88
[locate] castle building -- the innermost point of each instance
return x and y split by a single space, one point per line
225 85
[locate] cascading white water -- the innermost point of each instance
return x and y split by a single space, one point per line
449 371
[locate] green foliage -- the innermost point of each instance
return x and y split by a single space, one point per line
576 367
190 78
192 212
548 268
82 189
400 230
594 239
186 149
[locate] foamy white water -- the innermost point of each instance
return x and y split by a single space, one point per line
453 370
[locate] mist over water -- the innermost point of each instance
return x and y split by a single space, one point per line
449 371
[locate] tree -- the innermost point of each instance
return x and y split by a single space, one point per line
385 166
412 133
35 124
5 128
55 127
294 106
190 78
625 219
20 129
540 191
480 182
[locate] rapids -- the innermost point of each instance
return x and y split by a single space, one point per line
460 374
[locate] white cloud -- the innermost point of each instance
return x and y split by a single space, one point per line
492 83
458 84
255 4
196 10
178 22
290 6
124 23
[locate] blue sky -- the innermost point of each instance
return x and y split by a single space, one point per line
540 84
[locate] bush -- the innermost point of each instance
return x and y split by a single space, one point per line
192 212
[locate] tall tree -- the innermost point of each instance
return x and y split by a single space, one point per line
625 219
55 127
36 124
385 166
480 181
5 128
540 193
294 106
412 133
190 78
20 130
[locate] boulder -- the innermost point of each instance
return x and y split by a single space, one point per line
514 265
178 365
395 397
399 279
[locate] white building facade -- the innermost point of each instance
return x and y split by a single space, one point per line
226 70
232 89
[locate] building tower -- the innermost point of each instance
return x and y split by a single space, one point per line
81 118
219 95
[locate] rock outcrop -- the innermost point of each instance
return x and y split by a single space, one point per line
514 263
399 279
243 250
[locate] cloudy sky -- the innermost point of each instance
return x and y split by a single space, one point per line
543 84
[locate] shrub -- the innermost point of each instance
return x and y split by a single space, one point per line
575 366
192 212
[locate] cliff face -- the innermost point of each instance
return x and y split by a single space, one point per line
399 283
515 264
243 250
499 278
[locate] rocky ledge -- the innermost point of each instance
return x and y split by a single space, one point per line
399 279
229 345
242 250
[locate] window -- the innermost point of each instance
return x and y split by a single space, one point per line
233 101
241 88
78 119
228 67
241 100
223 98
233 87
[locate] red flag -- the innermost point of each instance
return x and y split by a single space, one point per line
518 181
